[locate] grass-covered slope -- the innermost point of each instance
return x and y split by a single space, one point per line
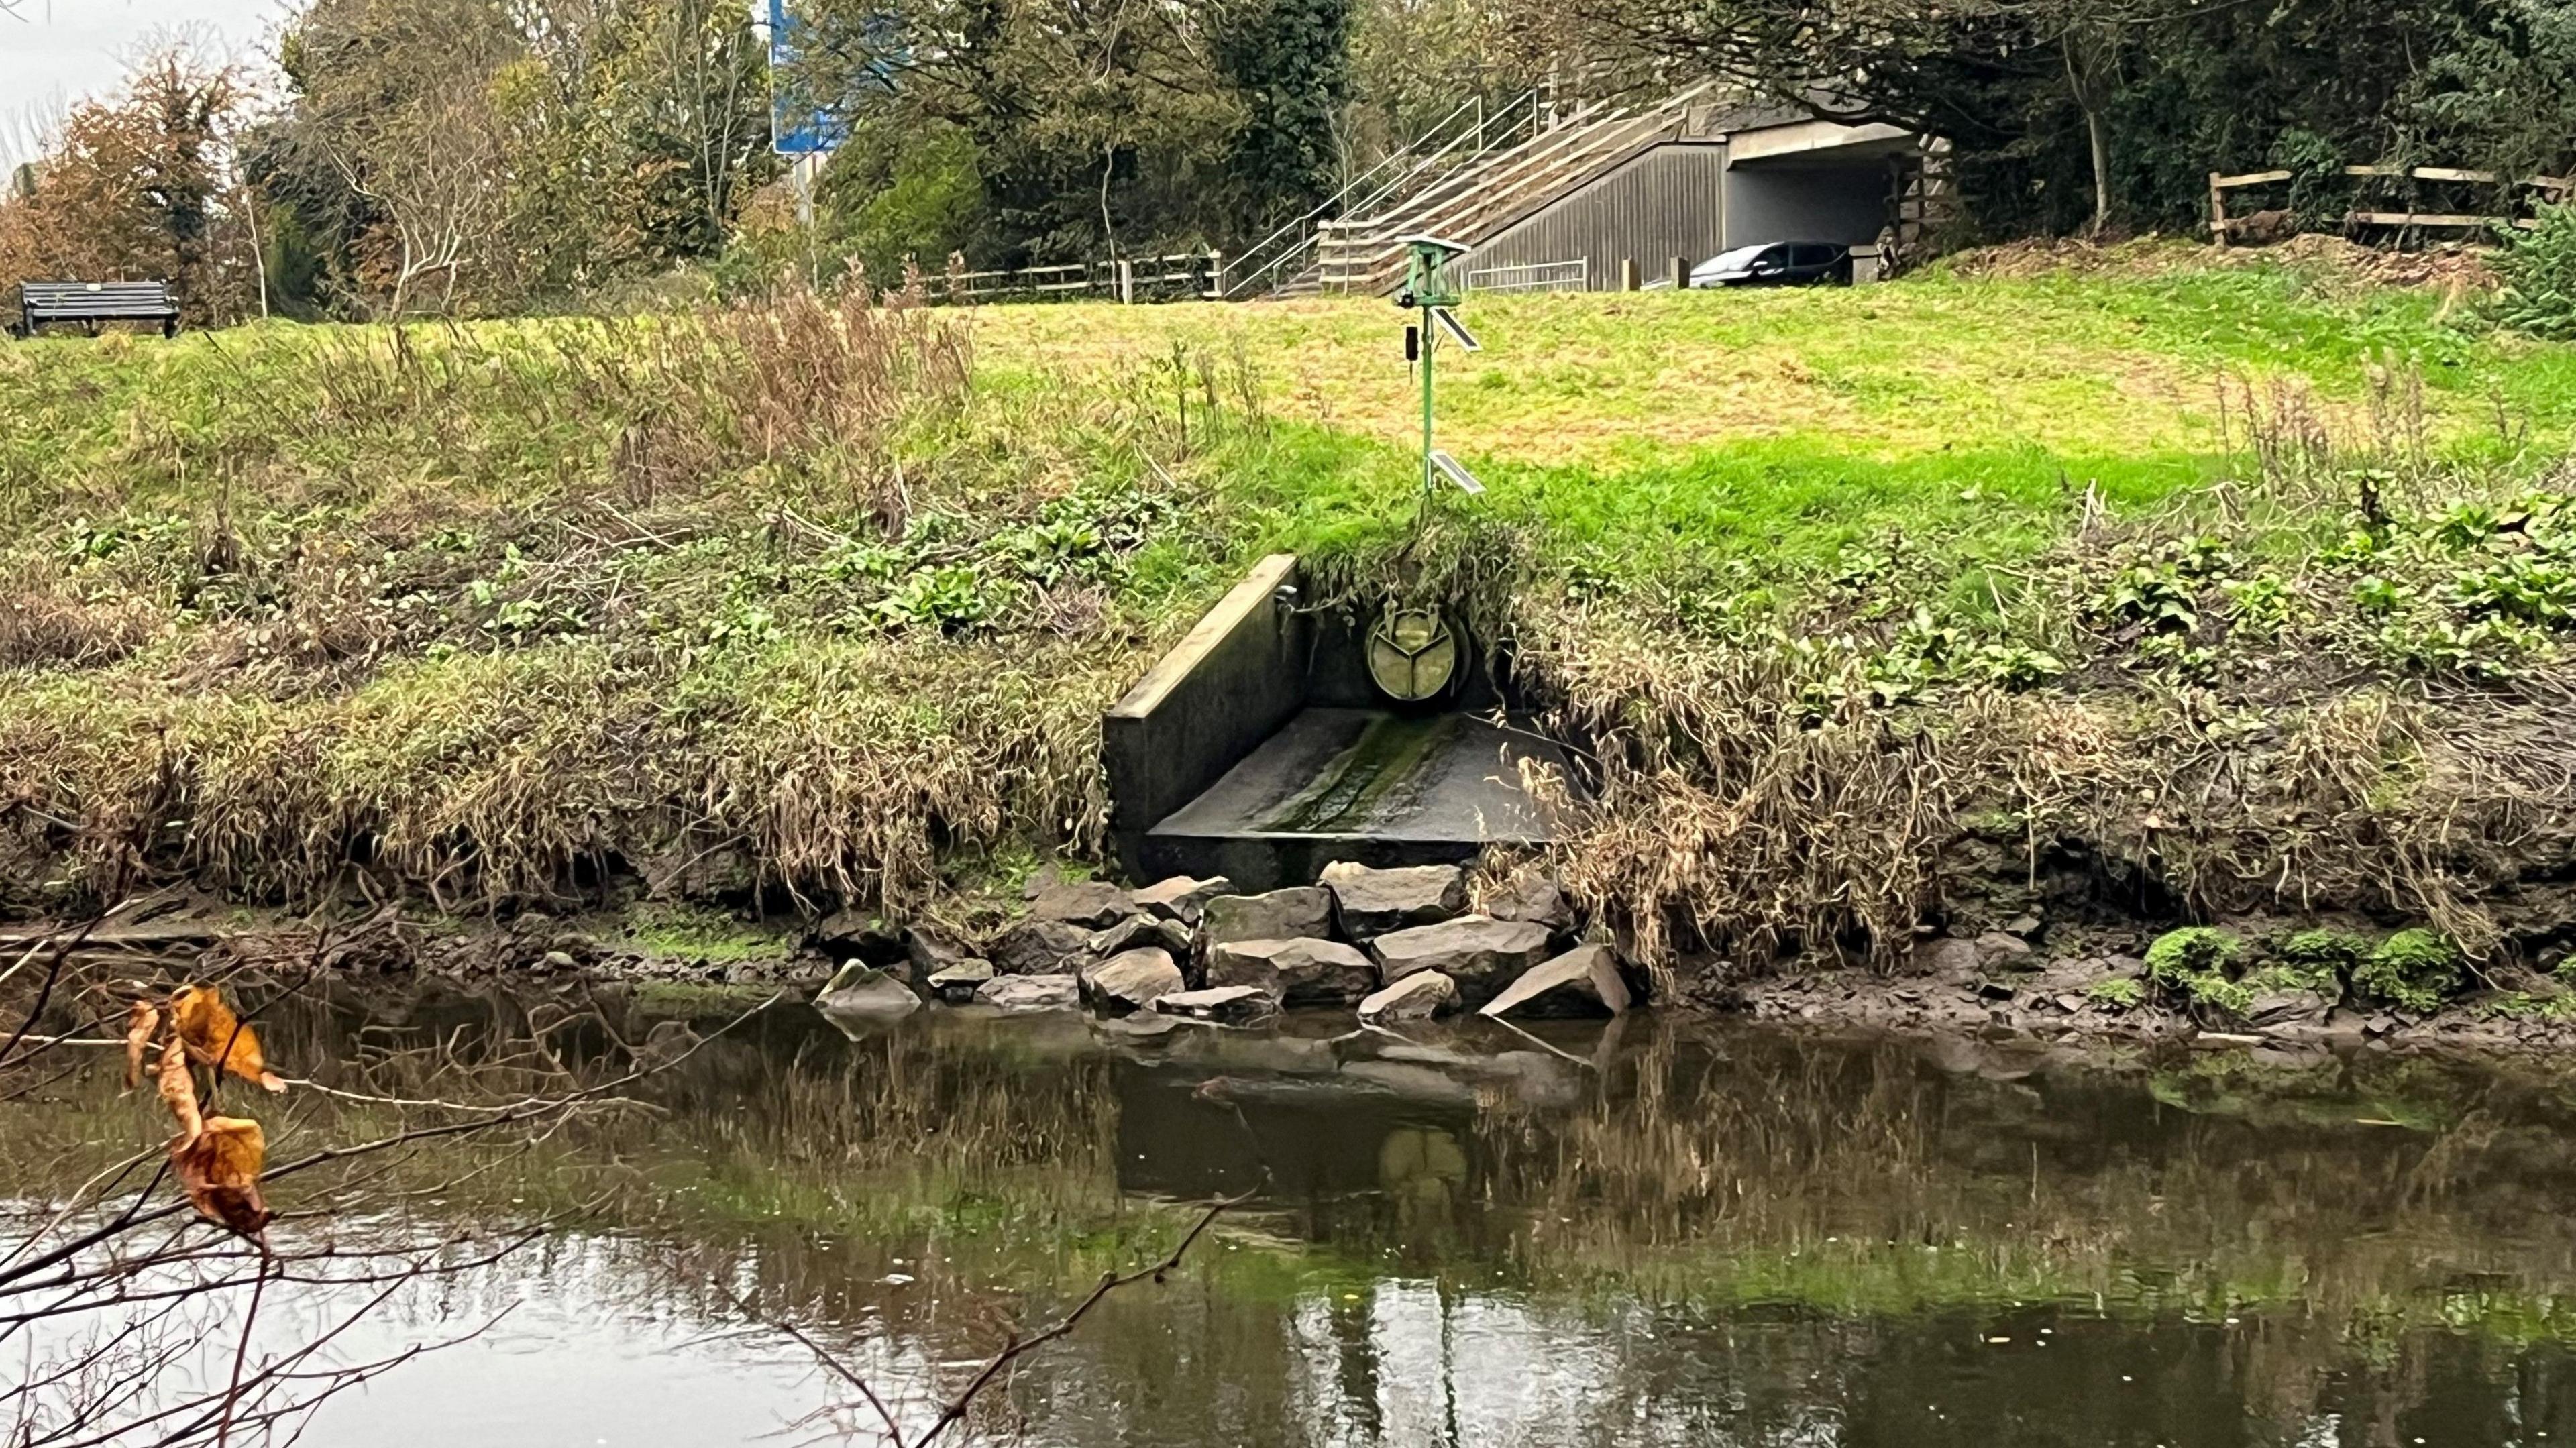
2201 586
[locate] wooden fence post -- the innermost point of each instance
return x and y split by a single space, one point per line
2217 209
1627 273
1678 268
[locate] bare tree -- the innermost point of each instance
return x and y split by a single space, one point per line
704 49
396 97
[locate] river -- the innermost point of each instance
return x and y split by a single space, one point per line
1650 1231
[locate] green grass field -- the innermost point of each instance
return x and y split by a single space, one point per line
831 596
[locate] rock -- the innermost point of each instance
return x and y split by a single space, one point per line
1481 954
1037 947
687 874
1995 948
1280 915
2268 227
862 990
1946 959
849 934
1584 981
1133 933
2069 1002
1417 997
2023 927
1176 938
1302 972
1535 899
1232 1005
932 950
957 984
1030 992
1370 902
558 960
667 1042
1130 981
1040 880
1994 990
1414 1083
2280 1008
1181 898
1092 904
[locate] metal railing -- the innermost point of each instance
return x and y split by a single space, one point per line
1439 153
1536 276
1367 255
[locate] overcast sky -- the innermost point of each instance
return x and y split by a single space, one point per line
55 52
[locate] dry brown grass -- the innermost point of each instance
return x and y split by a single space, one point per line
485 613
1731 821
1749 805
41 622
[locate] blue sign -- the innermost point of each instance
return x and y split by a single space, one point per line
796 127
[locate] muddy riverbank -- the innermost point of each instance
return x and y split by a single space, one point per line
2277 985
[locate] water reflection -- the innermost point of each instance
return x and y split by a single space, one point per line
1641 1233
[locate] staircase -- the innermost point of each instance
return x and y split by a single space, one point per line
1282 264
1363 251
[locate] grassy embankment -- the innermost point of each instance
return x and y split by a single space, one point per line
828 598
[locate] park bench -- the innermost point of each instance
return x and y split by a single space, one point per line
89 304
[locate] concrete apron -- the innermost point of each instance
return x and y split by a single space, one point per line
1244 753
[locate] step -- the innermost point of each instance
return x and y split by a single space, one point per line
1381 788
1366 255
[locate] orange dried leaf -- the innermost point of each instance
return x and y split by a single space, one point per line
216 1036
140 1023
220 1170
179 1093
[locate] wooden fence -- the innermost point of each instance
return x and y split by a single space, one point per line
1183 276
2511 193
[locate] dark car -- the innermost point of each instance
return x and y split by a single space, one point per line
1776 264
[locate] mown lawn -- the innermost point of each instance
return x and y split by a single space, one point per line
1972 413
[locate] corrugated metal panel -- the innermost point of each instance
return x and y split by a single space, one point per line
1665 203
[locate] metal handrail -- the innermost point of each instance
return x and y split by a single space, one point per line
1601 129
1329 202
1309 228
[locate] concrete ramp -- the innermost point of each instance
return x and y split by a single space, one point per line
1252 751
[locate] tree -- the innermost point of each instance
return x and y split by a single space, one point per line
394 100
2069 114
142 185
1288 63
500 152
2505 90
1098 127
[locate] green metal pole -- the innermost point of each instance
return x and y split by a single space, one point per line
1429 345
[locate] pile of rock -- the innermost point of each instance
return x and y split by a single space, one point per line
1395 944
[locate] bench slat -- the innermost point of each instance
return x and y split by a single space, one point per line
43 303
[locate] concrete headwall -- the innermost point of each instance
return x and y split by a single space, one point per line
1228 685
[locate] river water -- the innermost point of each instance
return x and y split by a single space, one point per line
1650 1231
